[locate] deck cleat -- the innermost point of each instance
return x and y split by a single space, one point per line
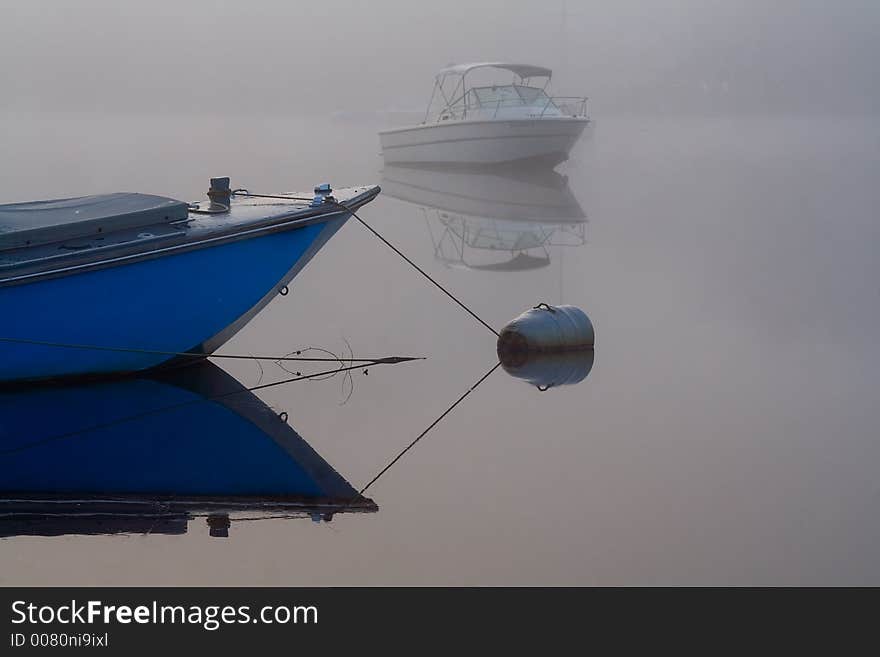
323 194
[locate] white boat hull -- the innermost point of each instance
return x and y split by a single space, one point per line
484 141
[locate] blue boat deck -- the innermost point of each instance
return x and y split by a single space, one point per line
247 216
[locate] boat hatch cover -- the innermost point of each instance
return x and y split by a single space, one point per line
43 222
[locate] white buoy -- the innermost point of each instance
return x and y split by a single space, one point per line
546 329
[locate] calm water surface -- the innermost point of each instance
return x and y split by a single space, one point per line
728 430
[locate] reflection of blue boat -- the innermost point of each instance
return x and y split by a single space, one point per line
137 272
150 452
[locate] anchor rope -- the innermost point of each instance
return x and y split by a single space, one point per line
422 272
449 294
433 424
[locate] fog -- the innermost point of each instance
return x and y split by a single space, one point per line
727 191
686 56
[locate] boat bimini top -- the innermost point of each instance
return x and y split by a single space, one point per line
453 100
523 71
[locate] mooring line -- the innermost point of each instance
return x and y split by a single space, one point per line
420 270
244 192
433 424
184 354
171 407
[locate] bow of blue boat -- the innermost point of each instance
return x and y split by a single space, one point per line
120 283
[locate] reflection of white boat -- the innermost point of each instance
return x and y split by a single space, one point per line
503 221
490 123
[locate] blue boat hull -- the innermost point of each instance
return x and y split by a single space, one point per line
188 302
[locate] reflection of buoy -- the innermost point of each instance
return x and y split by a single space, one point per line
545 329
550 369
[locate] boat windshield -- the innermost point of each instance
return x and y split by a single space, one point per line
506 96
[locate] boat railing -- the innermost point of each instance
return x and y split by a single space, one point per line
575 106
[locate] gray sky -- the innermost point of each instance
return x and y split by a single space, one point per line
681 56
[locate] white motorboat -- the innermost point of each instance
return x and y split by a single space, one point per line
491 123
